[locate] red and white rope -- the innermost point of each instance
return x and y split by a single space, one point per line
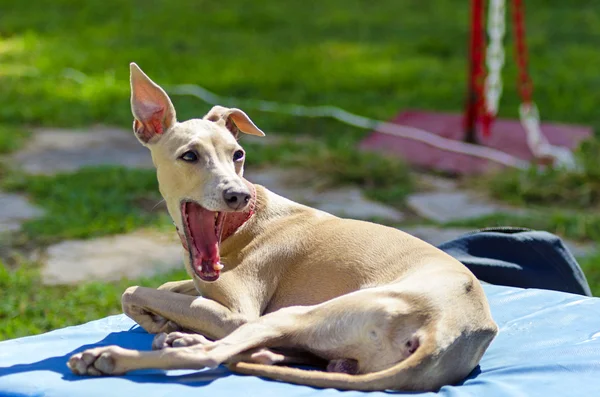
528 111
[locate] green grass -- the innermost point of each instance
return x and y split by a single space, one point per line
553 186
11 138
370 60
28 307
564 202
591 269
89 203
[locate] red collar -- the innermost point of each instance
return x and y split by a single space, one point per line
232 221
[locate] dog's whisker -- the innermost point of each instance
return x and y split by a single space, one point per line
157 204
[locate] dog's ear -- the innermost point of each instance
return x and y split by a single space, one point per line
234 120
153 111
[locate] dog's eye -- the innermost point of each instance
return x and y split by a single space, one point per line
238 155
190 156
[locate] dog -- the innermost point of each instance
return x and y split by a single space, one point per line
275 282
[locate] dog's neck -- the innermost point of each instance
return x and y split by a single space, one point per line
232 221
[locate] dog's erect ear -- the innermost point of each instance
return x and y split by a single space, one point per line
234 120
153 111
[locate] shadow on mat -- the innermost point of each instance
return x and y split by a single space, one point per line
128 340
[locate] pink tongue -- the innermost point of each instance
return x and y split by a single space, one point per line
204 240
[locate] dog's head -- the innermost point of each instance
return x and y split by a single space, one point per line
199 166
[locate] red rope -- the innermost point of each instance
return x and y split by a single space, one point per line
476 101
525 85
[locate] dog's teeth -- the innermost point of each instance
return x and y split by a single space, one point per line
218 266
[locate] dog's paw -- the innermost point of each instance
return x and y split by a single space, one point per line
152 323
266 357
133 304
178 339
97 362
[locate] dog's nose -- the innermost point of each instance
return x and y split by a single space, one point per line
236 199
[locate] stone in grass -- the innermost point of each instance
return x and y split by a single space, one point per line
448 206
346 202
435 235
14 210
51 151
138 254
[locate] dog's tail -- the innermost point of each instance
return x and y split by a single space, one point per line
428 369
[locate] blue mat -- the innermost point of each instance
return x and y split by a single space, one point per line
548 345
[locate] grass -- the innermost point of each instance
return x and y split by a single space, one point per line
11 138
590 268
28 307
369 60
564 202
552 187
89 203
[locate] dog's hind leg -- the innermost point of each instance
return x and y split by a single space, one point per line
258 355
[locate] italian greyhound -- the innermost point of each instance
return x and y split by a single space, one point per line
274 282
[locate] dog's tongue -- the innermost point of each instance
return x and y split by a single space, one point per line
204 239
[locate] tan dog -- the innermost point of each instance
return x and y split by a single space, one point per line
385 309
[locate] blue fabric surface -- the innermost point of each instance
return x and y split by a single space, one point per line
548 345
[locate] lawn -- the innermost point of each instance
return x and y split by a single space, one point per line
366 59
65 63
27 308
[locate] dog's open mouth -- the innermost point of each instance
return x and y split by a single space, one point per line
203 230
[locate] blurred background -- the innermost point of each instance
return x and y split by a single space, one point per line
80 213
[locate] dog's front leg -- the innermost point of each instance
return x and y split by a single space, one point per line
165 311
186 287
114 360
152 321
